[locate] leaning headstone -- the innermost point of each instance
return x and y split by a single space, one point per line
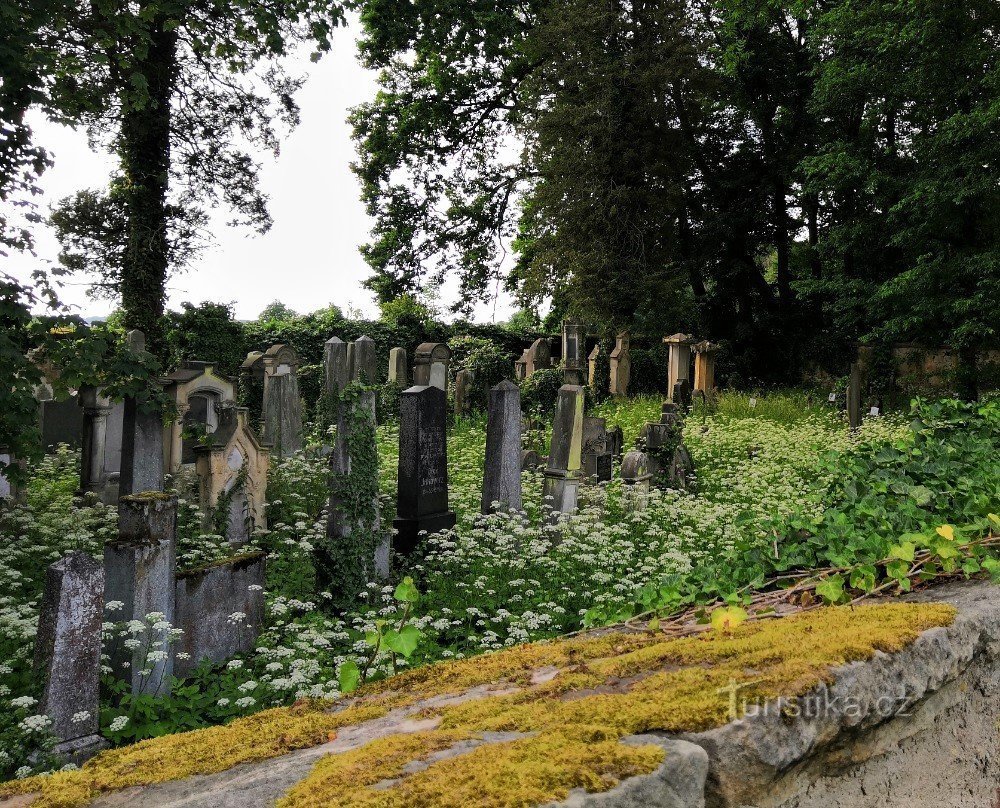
563 470
142 438
621 365
502 473
96 411
220 609
636 477
574 337
399 372
854 397
679 364
364 368
430 365
68 654
423 466
463 387
139 570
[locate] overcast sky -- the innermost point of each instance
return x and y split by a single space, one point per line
309 258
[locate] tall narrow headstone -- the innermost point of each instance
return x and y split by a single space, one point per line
423 466
636 477
463 387
592 361
142 438
854 396
336 371
621 365
521 367
68 654
364 368
574 337
282 408
704 367
679 366
96 410
563 470
399 371
139 573
502 472
430 365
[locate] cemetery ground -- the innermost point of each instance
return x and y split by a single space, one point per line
783 487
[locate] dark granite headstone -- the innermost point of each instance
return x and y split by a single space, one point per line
423 466
502 472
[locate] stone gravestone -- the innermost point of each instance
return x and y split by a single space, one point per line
616 441
364 367
537 357
621 365
96 411
574 337
197 393
142 439
282 408
7 489
463 386
636 477
336 370
139 572
68 654
704 367
592 361
399 372
423 466
531 460
679 364
502 472
681 394
563 470
596 460
521 367
430 365
854 396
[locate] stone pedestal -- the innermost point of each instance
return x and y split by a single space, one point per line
423 466
68 654
139 570
564 467
502 471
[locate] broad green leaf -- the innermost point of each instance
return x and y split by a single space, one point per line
406 591
404 641
349 677
831 589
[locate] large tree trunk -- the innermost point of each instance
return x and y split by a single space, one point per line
145 161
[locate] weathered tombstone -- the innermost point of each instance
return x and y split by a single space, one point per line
197 393
537 357
596 460
574 337
423 466
430 365
704 367
113 452
139 571
621 365
336 369
660 439
679 365
531 460
636 477
96 411
232 466
616 441
502 473
854 397
521 367
364 368
682 393
282 408
399 372
592 361
208 600
563 470
142 439
463 386
61 422
68 654
680 474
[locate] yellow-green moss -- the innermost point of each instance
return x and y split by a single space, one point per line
606 688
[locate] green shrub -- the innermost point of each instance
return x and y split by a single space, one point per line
488 362
540 391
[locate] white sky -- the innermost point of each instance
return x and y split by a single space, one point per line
308 259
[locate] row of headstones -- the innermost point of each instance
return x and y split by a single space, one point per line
538 356
139 573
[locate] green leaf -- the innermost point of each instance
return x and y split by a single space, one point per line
349 677
903 551
404 641
831 589
406 591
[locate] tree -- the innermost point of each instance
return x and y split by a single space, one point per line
180 90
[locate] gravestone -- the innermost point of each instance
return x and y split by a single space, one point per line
430 365
61 422
596 460
232 465
423 466
142 438
592 361
336 370
531 460
537 357
682 394
282 406
574 337
206 599
399 372
563 469
502 472
704 367
68 654
521 367
616 441
139 571
197 392
854 396
93 456
364 367
463 387
636 476
621 365
679 364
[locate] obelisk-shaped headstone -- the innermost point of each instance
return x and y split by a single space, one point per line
563 471
68 654
365 366
423 466
336 370
502 473
142 438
